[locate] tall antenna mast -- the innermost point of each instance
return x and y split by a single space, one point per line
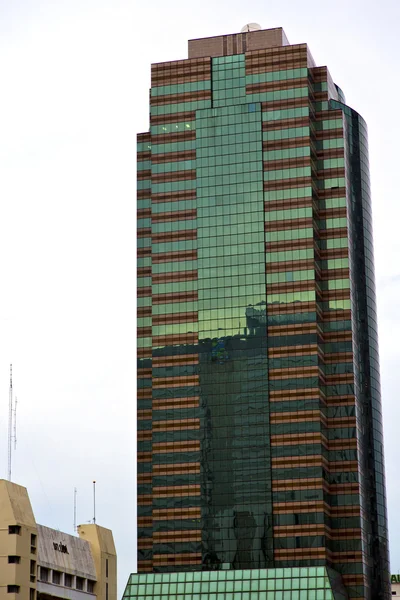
15 423
10 424
94 502
75 495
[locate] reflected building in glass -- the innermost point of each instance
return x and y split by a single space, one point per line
260 445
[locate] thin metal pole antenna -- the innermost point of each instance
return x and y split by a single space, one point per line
15 423
10 422
75 495
94 502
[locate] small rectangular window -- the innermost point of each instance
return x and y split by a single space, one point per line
106 591
33 571
90 586
44 574
14 560
57 577
106 567
14 529
31 594
68 580
33 539
13 589
79 583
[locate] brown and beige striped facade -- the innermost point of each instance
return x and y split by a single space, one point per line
316 442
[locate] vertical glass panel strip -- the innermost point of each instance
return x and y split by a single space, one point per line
235 439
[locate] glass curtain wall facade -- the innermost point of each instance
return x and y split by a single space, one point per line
313 583
259 413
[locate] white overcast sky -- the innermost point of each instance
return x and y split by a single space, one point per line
74 78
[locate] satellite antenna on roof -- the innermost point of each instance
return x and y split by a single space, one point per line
250 27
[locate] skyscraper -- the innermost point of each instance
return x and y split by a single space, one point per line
260 450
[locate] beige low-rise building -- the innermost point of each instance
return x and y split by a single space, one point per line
395 582
40 563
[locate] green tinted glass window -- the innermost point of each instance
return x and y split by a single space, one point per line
180 88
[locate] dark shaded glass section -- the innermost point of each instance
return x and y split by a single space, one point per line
235 457
366 357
